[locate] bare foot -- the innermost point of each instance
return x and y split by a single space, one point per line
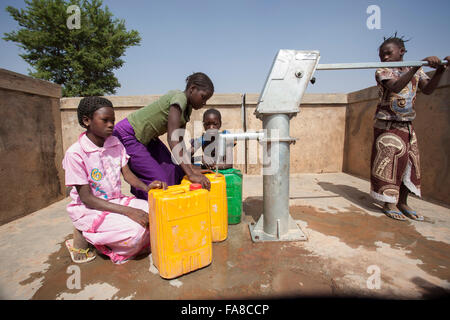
79 242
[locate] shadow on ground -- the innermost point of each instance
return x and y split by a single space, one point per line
356 228
430 291
352 194
253 207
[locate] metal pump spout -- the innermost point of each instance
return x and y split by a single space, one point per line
226 139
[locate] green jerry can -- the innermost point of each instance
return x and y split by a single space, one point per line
233 180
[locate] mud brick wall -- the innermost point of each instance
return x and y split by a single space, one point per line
30 145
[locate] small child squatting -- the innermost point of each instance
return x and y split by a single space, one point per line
212 122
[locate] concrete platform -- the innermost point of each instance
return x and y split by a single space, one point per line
350 242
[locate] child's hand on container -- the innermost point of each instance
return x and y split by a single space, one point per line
209 163
139 216
157 185
201 171
196 177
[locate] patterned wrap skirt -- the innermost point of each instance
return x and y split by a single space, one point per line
395 160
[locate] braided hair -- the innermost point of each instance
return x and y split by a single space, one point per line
397 40
89 105
212 111
200 80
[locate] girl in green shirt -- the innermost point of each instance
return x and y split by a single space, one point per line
139 132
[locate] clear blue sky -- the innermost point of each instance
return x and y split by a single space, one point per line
234 42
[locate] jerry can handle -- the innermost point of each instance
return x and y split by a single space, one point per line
179 191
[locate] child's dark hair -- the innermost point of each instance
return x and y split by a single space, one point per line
397 40
89 105
212 111
201 80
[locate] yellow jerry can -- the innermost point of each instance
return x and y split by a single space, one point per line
180 229
218 206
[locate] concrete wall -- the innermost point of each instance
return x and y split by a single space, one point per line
320 128
334 132
432 126
30 144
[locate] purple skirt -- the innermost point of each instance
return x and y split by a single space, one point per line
149 163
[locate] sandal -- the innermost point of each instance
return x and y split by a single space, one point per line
413 215
72 250
394 214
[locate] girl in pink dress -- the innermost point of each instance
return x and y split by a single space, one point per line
117 225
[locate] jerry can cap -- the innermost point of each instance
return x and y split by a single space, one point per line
195 186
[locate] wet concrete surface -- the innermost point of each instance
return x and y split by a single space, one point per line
347 235
358 229
240 269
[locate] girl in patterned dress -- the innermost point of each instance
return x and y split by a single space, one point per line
395 161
